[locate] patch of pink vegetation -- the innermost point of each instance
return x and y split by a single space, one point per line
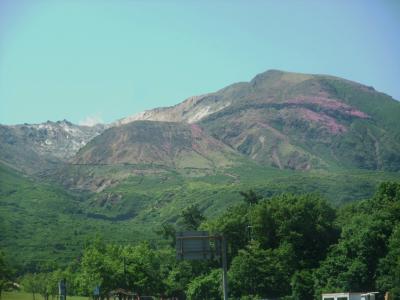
357 113
196 130
327 121
329 104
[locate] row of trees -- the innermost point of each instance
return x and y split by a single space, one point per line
302 247
140 268
45 284
287 246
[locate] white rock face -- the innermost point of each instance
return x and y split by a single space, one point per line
60 140
191 110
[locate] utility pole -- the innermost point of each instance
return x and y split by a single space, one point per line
126 280
224 269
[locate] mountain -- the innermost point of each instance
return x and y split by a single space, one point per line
35 147
279 119
169 144
297 121
143 148
279 132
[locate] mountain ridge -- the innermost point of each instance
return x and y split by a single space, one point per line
281 119
156 113
295 121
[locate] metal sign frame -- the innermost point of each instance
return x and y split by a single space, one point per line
204 252
193 245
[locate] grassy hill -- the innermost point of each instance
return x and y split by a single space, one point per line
43 224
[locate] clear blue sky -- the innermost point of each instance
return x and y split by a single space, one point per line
79 59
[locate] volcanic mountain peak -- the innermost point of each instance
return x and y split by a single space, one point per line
272 86
273 79
297 121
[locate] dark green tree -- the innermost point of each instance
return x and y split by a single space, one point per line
262 272
250 197
359 258
306 222
4 272
302 284
168 232
143 269
205 287
96 269
192 217
233 224
177 277
351 264
389 266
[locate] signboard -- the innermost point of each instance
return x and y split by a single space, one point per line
193 245
96 291
62 289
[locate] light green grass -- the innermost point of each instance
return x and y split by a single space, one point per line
28 296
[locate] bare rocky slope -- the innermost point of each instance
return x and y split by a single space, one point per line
35 147
168 144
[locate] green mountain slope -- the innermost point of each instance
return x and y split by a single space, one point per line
42 223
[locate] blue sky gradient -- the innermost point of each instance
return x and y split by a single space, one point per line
103 60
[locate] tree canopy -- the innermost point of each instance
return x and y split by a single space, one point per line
288 246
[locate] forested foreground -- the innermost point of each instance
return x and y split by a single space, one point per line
288 246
